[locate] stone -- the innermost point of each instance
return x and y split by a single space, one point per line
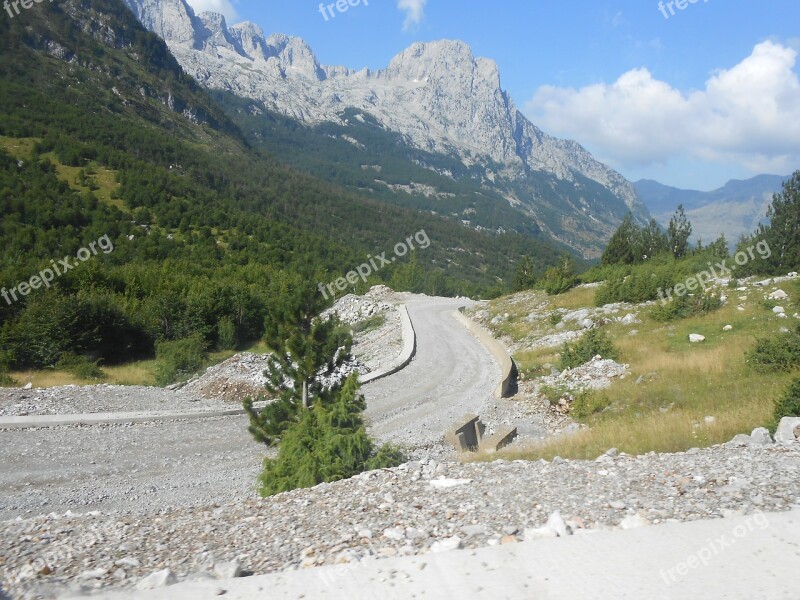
634 522
394 533
787 432
508 539
761 436
28 386
473 530
448 483
157 580
727 328
696 338
539 533
778 295
617 505
742 439
228 570
557 524
447 544
778 310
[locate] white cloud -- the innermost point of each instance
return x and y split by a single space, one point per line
748 115
223 7
415 11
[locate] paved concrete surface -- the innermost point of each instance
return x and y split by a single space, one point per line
739 558
451 374
33 421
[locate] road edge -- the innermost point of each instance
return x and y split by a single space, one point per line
508 369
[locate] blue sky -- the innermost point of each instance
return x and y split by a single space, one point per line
710 93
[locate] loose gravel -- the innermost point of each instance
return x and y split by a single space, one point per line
414 509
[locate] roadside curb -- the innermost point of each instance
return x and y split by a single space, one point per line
508 369
407 353
34 421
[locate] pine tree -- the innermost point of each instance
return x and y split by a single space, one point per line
306 352
679 232
782 234
624 247
525 276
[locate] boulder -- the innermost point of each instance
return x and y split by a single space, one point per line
761 436
778 295
696 338
779 310
788 431
727 328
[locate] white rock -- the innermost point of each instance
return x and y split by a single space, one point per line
786 433
28 386
228 570
778 295
556 523
727 328
634 522
449 483
778 310
761 435
447 544
539 533
696 338
394 533
157 580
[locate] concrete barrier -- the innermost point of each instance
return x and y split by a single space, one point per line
466 434
499 440
508 370
406 354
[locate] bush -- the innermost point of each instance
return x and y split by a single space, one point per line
594 342
81 367
5 359
588 403
682 307
778 353
788 405
559 279
179 358
328 443
642 284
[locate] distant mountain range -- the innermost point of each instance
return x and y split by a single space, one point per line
469 154
735 209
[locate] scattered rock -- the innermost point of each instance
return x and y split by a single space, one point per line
779 310
228 570
157 580
696 338
727 328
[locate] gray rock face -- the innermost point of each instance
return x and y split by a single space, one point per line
788 429
438 95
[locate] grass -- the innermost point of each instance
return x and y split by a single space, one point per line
142 372
679 383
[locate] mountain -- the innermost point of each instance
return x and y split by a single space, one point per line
437 97
103 136
733 210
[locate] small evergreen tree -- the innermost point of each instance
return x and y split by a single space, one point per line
306 350
679 232
624 247
782 234
525 276
328 443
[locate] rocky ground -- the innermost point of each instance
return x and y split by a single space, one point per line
417 508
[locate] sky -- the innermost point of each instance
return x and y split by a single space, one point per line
689 93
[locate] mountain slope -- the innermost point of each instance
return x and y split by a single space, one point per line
735 209
437 96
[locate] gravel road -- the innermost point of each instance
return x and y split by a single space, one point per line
148 467
451 374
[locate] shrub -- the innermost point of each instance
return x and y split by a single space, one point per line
682 307
5 360
559 279
80 366
179 358
641 285
778 353
554 318
594 342
788 405
588 403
